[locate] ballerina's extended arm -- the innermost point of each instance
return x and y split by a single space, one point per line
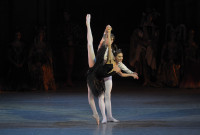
110 57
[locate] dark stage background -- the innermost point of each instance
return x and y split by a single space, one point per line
123 16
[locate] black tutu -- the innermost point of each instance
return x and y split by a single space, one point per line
96 74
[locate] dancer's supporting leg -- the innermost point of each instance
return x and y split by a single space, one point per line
108 85
102 108
92 105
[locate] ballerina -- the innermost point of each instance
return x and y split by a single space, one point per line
99 69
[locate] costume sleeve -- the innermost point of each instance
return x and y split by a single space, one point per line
124 68
106 55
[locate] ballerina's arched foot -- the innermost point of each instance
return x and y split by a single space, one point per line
96 117
104 121
112 120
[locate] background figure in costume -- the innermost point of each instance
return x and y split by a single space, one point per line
41 64
169 68
68 38
191 63
143 47
99 70
17 59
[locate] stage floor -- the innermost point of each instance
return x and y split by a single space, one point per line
141 111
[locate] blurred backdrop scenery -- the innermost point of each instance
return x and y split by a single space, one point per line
43 42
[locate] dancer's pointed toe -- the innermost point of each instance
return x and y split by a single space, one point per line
96 117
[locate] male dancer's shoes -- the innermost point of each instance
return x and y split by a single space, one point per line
104 121
111 119
96 117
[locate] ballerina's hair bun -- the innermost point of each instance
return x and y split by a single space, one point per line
116 50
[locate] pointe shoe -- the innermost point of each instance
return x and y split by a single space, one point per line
96 117
113 120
